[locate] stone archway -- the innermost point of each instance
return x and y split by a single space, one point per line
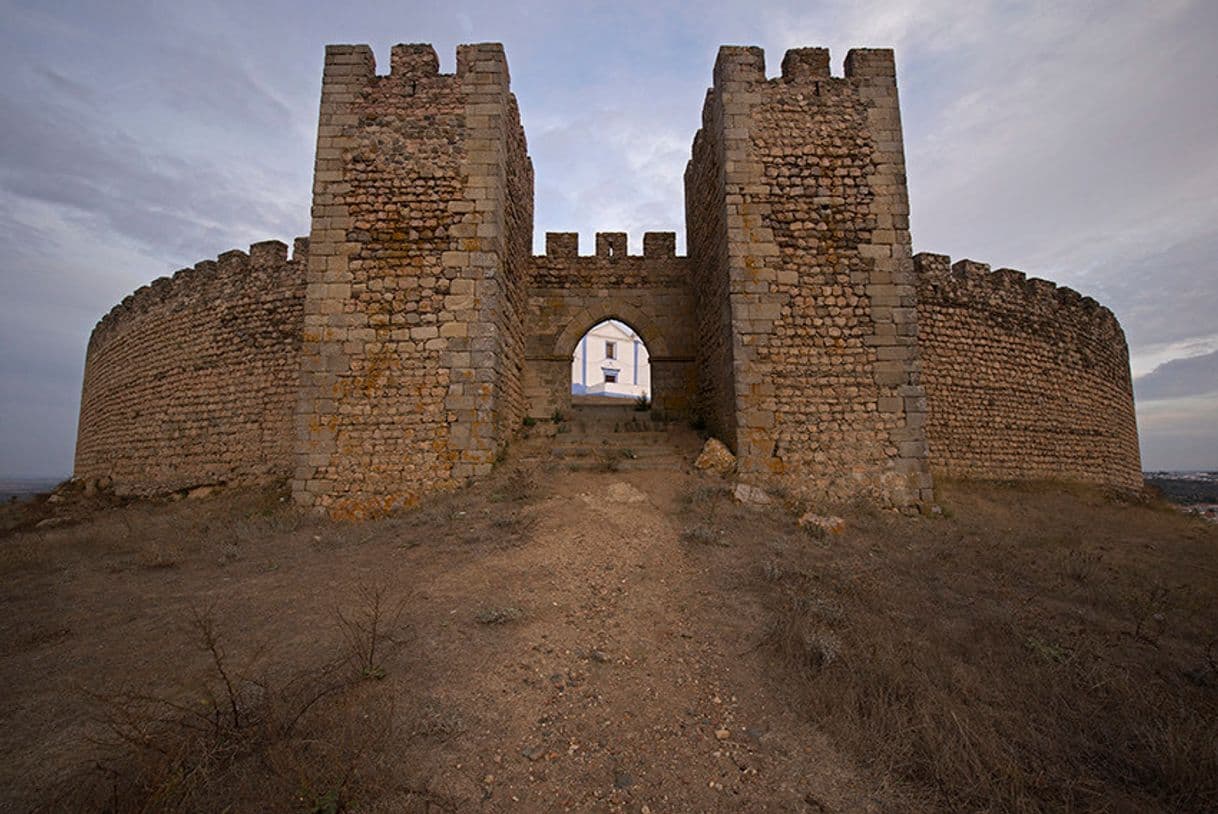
548 365
569 294
611 360
603 310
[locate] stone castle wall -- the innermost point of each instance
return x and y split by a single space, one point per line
707 241
798 219
402 355
1024 380
422 222
568 294
192 380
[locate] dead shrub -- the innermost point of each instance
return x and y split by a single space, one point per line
370 629
518 485
234 737
701 534
1081 566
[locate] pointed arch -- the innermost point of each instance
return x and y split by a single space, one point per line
595 314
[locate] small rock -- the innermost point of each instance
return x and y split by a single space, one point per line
50 522
813 803
756 733
55 498
621 780
599 657
827 524
754 495
622 492
715 458
534 752
200 492
723 734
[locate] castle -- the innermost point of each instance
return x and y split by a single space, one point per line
399 348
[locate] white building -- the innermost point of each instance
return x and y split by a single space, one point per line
611 360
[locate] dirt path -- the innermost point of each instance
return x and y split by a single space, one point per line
631 677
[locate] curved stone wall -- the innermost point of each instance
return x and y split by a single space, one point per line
193 379
1023 379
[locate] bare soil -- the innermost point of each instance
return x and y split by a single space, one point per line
568 640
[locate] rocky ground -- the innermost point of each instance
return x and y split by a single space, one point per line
570 639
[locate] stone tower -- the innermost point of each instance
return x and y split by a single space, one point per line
422 229
797 215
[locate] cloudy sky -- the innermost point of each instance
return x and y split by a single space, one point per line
1077 141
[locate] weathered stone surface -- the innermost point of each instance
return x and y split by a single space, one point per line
622 492
1023 379
754 495
715 458
826 523
402 354
422 226
798 231
193 379
569 294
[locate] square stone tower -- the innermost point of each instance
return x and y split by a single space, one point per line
422 228
797 216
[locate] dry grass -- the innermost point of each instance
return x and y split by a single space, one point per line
241 718
241 735
1036 648
1044 649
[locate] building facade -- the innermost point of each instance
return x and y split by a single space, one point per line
611 360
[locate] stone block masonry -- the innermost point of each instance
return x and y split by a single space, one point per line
568 294
400 358
797 215
1024 380
192 380
413 334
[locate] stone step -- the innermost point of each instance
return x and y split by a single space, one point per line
603 413
610 437
624 424
635 452
629 465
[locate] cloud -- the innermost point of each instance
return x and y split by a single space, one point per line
1072 140
1180 378
1178 434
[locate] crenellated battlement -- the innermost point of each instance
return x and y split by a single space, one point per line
972 283
1024 378
747 64
396 351
192 379
480 63
268 257
610 245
